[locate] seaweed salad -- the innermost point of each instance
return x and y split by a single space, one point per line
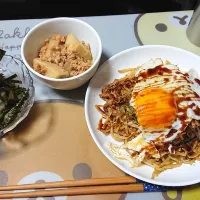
12 97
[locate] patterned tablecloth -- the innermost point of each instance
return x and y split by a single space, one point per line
53 143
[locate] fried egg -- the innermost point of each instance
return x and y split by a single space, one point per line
165 100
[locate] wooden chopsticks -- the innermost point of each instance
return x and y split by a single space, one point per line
76 191
72 183
74 187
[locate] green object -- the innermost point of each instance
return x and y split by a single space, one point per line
12 97
2 53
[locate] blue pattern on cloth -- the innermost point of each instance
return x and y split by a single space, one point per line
1 133
148 187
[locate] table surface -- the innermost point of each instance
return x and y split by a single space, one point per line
47 160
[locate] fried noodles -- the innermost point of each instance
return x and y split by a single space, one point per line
119 119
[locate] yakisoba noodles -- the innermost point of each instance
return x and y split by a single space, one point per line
118 117
155 110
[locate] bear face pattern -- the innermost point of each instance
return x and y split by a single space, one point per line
167 28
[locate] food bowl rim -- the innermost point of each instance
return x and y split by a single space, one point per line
36 27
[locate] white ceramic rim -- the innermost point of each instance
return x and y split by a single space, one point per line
185 183
58 19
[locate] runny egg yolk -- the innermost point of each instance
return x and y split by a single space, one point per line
155 108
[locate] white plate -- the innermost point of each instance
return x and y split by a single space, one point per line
184 175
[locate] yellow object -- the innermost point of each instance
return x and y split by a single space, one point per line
155 108
74 45
172 194
187 194
71 40
52 44
192 193
49 69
